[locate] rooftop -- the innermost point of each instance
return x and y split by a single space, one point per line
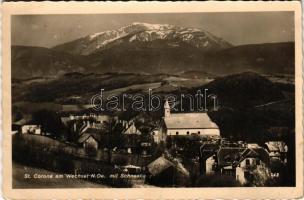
189 121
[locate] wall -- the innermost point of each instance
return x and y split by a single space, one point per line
209 165
195 131
239 175
91 143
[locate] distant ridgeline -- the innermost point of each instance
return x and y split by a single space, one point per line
152 49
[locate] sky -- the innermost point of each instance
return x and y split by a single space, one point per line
236 28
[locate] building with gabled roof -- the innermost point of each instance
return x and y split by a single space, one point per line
167 172
241 162
275 146
252 159
91 138
132 130
31 129
183 124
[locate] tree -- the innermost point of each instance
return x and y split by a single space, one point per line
50 122
261 175
114 136
158 150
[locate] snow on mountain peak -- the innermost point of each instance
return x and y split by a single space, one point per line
140 32
153 26
94 35
129 29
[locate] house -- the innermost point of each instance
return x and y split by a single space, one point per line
227 156
131 137
208 159
167 173
211 165
90 139
132 130
156 135
277 150
96 118
101 118
86 125
252 159
242 162
31 129
183 124
88 142
131 169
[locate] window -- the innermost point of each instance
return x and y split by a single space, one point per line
247 162
248 176
199 132
187 132
258 162
176 132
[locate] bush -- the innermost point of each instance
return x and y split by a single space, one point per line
120 160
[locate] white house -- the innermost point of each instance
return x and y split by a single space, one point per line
98 118
210 165
183 124
252 159
156 135
31 129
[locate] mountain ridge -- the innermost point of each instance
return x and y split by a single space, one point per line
152 49
140 33
262 58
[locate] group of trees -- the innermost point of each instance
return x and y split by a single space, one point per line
50 122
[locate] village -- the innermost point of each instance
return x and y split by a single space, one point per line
183 149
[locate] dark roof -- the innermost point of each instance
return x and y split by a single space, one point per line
95 133
84 137
229 155
275 146
159 165
259 153
132 130
93 130
208 149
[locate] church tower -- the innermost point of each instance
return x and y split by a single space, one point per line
167 109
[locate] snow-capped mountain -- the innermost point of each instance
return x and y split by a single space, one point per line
145 34
152 49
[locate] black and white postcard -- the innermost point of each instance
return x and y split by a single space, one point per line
159 100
